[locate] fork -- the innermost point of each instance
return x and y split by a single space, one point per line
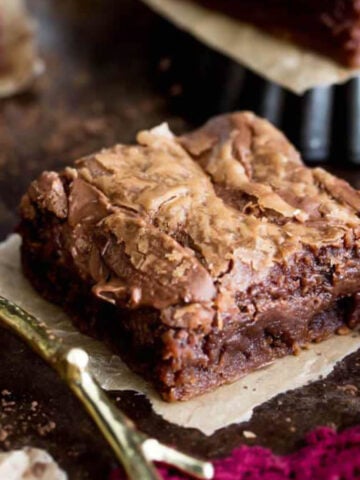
135 450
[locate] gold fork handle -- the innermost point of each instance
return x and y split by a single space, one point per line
118 430
134 450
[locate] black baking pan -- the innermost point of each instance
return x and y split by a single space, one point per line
324 123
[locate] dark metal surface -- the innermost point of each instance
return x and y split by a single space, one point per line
353 102
114 68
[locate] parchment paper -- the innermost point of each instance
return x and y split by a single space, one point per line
226 405
289 65
19 61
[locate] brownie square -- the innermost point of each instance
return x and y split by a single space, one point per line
200 257
330 26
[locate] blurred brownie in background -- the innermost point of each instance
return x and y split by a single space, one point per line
331 27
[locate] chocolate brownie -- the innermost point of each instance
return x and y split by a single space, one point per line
329 26
202 257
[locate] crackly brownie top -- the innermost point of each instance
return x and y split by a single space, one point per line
191 221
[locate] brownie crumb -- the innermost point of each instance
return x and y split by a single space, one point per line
21 415
349 389
343 330
165 64
47 428
38 469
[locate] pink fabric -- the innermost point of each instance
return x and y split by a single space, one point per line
327 455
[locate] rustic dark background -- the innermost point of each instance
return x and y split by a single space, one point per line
113 68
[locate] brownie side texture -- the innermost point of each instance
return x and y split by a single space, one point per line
329 26
203 257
